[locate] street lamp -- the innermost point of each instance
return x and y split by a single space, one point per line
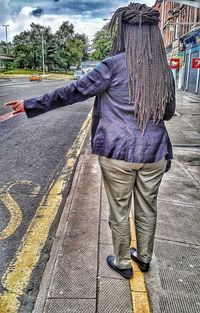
6 29
43 70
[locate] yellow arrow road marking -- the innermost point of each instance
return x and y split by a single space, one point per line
13 207
17 276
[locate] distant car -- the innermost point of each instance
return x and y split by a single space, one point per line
35 77
78 74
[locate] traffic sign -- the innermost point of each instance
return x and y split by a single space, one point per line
196 63
174 63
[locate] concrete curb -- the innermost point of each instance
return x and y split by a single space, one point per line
57 244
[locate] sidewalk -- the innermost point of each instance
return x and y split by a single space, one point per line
77 278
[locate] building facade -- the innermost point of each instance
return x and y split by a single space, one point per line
180 27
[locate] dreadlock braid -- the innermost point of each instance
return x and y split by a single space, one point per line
135 30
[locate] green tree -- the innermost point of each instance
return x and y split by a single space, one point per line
65 32
74 51
28 46
101 44
73 48
23 50
85 41
3 48
62 49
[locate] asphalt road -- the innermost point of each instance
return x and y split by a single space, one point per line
31 153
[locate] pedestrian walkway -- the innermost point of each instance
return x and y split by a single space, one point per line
81 281
77 278
174 281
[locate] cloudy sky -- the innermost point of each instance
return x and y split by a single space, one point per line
86 15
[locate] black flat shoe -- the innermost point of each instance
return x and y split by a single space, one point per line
126 273
144 267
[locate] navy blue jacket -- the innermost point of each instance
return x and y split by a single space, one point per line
115 131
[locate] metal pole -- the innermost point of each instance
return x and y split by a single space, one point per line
43 70
198 77
163 17
188 70
6 29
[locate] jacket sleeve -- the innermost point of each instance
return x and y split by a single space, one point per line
92 84
171 106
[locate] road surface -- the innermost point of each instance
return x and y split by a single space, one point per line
32 153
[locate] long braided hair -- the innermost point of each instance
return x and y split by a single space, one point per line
134 29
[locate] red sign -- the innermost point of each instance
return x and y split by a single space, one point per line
196 63
174 63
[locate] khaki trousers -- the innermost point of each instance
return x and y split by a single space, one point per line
122 180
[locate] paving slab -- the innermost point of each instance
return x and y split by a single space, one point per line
179 303
75 273
173 190
114 296
178 222
70 305
104 214
105 233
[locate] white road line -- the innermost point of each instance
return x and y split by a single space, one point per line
29 83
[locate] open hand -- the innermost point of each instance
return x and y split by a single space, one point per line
17 106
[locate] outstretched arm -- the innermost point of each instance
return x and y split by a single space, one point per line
90 85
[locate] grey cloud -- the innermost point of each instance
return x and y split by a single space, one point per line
37 12
92 8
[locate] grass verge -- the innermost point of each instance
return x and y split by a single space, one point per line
20 73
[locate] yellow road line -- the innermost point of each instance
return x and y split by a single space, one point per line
137 282
15 215
17 275
13 207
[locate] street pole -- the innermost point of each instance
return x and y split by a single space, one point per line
163 17
43 70
6 29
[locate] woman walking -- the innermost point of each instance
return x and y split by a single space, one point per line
135 93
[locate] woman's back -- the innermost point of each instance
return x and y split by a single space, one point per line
116 132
